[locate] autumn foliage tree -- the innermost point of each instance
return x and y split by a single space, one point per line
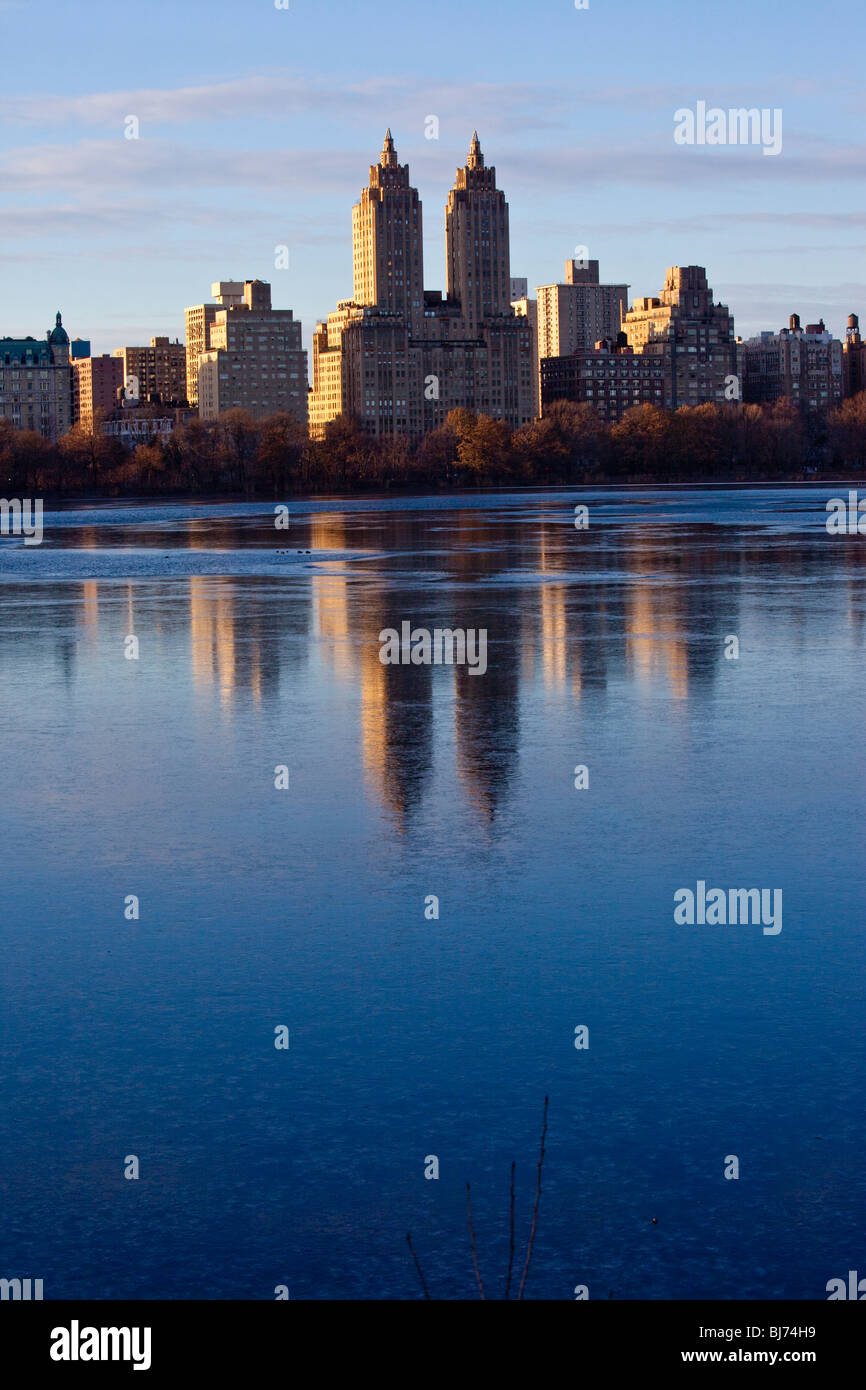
847 431
721 441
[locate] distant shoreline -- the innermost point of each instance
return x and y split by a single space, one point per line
453 490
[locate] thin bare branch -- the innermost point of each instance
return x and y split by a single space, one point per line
472 1243
535 1207
417 1265
510 1236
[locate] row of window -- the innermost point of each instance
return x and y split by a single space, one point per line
623 390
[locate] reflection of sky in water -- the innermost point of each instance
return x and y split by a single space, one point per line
409 1037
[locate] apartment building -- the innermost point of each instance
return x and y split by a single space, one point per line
36 382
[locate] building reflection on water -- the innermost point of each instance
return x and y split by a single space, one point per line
656 643
567 614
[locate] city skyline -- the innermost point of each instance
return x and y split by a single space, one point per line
237 155
399 358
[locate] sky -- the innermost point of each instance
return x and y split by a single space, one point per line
257 125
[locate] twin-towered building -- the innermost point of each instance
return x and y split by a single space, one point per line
398 357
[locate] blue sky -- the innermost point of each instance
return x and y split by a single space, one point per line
257 127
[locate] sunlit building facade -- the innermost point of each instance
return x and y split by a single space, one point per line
802 365
253 360
691 335
96 382
36 382
579 312
157 372
610 376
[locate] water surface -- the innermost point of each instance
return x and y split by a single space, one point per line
412 1037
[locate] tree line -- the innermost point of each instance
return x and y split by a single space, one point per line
571 443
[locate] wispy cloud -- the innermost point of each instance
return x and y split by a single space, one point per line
725 221
762 305
523 106
685 168
158 167
101 220
283 94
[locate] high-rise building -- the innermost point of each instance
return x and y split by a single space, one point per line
80 347
255 360
387 254
155 374
367 357
579 312
96 382
571 317
36 382
397 357
199 319
477 241
692 335
853 359
674 350
803 365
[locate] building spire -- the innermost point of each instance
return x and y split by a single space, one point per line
58 336
476 158
389 154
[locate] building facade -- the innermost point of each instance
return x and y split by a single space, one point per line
610 376
254 361
96 382
580 312
398 358
675 350
143 424
478 262
199 321
527 308
691 335
156 374
387 256
803 365
36 382
132 428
